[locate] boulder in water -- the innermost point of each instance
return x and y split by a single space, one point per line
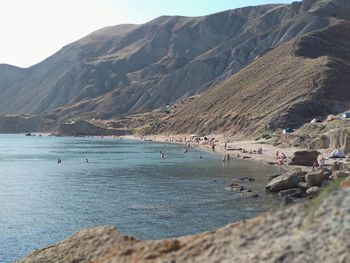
235 187
246 178
293 192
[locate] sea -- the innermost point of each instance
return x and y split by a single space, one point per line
118 182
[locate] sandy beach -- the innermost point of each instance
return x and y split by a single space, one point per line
268 154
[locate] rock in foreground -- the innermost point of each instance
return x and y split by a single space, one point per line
302 233
305 158
286 181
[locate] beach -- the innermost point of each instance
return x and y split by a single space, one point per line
268 154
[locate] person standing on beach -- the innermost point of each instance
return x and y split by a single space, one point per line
322 162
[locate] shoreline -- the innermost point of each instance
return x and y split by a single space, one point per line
268 155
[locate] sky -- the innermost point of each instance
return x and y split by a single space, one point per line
32 30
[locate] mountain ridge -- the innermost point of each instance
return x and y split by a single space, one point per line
135 68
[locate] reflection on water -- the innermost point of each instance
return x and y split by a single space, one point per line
125 184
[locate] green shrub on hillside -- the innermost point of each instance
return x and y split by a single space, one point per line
266 136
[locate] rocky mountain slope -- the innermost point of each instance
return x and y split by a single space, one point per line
20 123
9 75
296 82
313 232
134 68
85 128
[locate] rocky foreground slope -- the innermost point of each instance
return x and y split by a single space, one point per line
135 68
314 232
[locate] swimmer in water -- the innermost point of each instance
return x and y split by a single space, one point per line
224 159
162 155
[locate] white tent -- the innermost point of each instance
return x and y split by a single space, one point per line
346 115
337 154
287 130
315 121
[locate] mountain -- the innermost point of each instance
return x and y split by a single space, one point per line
10 75
135 68
305 78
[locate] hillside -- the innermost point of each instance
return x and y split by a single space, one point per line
298 81
135 68
9 75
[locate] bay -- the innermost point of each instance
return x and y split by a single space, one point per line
124 184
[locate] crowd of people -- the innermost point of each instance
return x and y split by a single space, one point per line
258 151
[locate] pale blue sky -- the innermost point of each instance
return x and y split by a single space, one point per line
32 30
141 10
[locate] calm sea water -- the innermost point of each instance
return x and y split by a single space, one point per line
125 184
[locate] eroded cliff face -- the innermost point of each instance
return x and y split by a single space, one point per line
314 232
135 68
